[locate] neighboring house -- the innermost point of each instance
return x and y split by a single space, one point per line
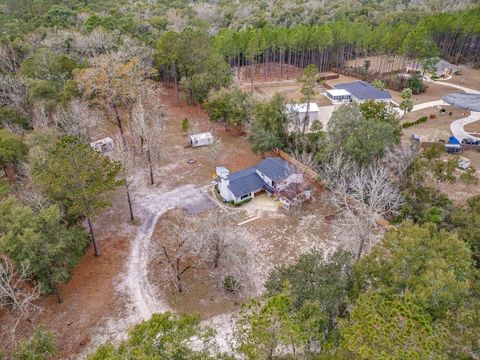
244 184
201 139
361 91
339 96
301 109
442 69
103 145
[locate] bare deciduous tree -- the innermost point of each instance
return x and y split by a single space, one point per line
122 154
399 158
363 196
14 289
227 250
76 118
148 123
95 43
357 232
214 150
183 251
9 59
13 93
113 84
296 190
194 128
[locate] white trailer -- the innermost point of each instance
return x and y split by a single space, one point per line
103 145
201 139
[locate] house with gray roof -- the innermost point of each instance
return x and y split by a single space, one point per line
244 184
442 68
361 91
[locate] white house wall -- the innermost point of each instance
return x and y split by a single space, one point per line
265 178
225 191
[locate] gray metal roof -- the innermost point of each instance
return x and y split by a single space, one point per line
364 91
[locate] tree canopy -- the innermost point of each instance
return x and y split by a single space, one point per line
76 176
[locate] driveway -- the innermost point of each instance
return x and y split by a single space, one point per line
466 89
428 104
457 127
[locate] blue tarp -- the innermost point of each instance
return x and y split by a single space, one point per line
453 140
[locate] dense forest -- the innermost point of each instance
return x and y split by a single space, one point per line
71 68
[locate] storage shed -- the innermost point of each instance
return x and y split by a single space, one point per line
301 109
103 145
201 139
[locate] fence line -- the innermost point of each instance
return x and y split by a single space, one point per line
304 168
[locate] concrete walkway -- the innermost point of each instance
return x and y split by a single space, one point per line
428 104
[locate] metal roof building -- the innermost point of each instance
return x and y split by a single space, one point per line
362 91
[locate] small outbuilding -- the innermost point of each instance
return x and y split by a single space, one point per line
338 96
103 145
201 139
302 109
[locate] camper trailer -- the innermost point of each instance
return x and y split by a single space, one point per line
103 145
201 139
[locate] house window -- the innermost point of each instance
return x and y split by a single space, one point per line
244 196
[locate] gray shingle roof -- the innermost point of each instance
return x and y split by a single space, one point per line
442 65
364 91
247 180
274 168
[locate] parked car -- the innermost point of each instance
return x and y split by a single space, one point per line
468 141
453 148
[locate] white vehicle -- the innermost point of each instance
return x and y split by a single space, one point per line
463 163
201 139
103 145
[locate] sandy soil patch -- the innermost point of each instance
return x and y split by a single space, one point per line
434 91
459 192
380 63
473 128
273 72
275 237
289 89
469 77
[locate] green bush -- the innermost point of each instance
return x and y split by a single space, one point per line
230 283
416 122
239 203
185 125
469 177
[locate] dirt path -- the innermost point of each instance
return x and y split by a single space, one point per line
137 287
